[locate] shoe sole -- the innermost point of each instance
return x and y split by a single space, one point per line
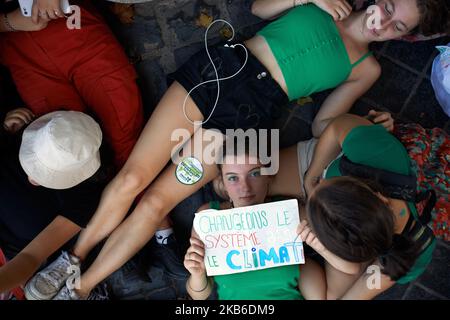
31 294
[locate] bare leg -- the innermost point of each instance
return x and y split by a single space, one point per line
149 156
162 196
312 282
165 224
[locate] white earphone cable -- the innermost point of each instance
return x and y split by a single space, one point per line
217 80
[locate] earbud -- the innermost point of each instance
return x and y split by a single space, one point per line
215 70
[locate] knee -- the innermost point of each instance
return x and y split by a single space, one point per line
130 181
155 205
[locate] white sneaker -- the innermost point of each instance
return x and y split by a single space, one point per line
66 294
100 292
48 282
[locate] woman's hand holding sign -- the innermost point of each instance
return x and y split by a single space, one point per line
194 258
309 237
198 285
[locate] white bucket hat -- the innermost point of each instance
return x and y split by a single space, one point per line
61 149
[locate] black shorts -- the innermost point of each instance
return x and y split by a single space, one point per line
248 100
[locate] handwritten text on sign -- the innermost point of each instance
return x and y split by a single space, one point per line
250 238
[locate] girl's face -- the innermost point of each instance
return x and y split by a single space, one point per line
243 182
396 18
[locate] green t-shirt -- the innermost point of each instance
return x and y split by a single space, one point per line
374 146
279 283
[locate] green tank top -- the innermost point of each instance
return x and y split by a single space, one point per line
280 283
309 50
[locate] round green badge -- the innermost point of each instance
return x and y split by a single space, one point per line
189 171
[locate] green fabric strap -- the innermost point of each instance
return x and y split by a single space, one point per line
362 59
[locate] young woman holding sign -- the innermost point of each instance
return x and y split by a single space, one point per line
305 51
244 185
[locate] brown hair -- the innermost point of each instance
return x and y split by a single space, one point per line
352 221
246 149
434 17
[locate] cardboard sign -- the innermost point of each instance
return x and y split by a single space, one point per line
250 238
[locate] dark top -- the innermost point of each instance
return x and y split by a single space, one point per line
26 209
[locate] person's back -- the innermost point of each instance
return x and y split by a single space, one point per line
51 179
24 202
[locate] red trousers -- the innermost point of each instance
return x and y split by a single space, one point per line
83 70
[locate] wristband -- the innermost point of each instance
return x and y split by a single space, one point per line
206 286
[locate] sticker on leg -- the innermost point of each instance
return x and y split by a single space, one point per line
189 171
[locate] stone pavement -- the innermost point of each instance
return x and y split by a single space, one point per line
166 33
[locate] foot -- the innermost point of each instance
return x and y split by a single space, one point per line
100 292
48 282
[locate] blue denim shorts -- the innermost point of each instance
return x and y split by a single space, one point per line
248 100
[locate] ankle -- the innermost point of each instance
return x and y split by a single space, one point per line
78 255
82 293
74 259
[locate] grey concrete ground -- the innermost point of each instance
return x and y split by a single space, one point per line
166 33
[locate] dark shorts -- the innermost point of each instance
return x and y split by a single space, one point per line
248 100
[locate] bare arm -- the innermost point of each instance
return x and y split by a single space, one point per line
343 97
271 9
340 264
199 286
367 286
202 284
330 145
15 21
24 265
